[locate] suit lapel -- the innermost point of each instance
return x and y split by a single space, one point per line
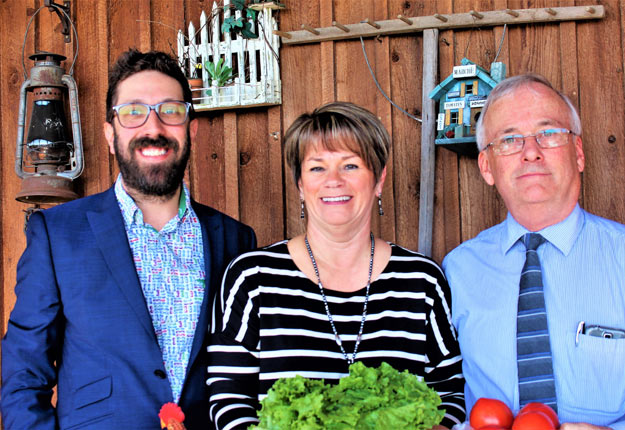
107 225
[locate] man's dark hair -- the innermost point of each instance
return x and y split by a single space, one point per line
134 61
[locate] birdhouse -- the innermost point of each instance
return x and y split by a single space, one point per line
461 97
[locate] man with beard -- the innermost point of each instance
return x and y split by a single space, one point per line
114 290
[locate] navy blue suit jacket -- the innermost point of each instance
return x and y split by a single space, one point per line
81 322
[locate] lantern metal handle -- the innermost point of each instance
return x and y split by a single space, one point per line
76 171
21 123
58 8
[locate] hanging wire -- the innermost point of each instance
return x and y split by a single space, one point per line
501 42
377 84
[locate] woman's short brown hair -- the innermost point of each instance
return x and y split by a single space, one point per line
335 126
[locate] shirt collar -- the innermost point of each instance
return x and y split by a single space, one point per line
561 235
131 212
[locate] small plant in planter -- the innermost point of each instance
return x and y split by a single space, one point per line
218 72
196 77
197 71
195 81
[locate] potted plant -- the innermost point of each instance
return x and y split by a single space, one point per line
195 81
220 74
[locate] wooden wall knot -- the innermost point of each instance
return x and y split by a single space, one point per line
15 78
244 158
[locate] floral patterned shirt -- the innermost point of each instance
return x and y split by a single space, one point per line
170 266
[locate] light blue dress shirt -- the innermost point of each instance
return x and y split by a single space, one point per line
583 266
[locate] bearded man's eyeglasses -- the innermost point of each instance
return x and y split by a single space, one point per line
546 139
133 115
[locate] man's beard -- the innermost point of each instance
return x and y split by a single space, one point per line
160 180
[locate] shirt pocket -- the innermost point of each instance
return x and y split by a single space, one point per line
598 382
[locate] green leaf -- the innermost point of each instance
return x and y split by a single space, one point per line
218 71
228 24
238 4
247 31
248 34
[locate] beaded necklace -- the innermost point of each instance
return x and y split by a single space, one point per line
337 338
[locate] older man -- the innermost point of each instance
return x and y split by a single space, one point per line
114 290
541 317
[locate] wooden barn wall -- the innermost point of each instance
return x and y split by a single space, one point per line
237 164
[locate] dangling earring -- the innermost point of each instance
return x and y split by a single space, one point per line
302 215
381 211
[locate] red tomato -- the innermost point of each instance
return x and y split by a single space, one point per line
533 420
490 412
494 428
541 407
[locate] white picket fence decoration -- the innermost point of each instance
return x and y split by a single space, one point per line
248 88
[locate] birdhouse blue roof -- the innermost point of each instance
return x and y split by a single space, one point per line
445 86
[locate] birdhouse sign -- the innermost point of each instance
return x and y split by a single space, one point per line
461 97
464 71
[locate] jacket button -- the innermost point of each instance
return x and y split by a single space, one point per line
160 373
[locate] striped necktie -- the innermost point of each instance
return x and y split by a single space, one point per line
536 382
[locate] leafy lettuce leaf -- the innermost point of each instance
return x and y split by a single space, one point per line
367 399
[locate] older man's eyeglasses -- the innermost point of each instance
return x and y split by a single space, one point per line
133 115
546 139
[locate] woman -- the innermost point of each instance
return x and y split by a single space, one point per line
316 303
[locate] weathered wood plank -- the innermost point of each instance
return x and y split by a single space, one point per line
454 21
4 309
302 88
231 164
406 75
480 206
328 80
384 226
254 162
169 17
602 113
91 74
207 165
446 195
568 62
11 79
428 130
353 80
355 84
128 26
276 229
